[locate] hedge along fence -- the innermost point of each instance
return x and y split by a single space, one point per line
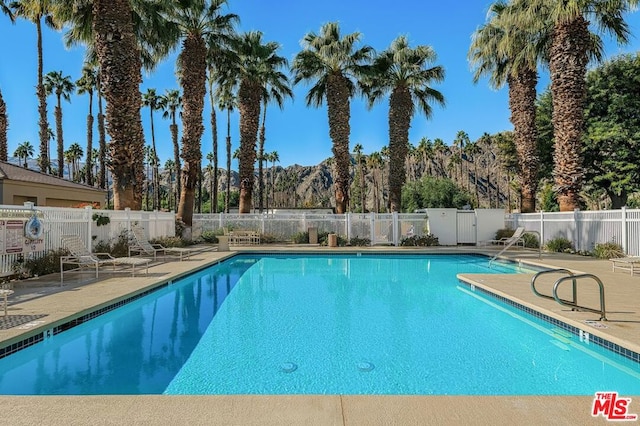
92 225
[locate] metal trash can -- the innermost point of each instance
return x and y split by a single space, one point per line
223 243
313 235
332 240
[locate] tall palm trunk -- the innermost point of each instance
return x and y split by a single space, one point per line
261 156
339 130
214 133
176 156
568 63
102 142
43 124
228 189
193 81
60 137
249 96
120 66
155 172
4 125
90 141
522 98
400 107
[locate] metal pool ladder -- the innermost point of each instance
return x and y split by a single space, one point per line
573 304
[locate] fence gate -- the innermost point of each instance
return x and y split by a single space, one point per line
466 228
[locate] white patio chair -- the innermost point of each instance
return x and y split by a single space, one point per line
139 244
82 257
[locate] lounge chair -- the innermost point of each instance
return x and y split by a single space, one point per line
514 239
629 263
139 244
82 257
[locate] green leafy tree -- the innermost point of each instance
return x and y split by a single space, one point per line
430 192
612 143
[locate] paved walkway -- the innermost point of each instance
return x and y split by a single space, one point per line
83 293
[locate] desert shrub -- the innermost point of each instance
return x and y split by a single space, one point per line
117 247
323 239
171 242
37 267
559 244
268 239
210 237
608 250
426 240
301 238
531 241
359 242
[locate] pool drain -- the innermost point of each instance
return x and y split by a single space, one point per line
289 367
365 366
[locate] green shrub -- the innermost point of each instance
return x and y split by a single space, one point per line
301 238
268 239
171 242
608 250
559 245
426 240
359 242
37 267
210 237
323 239
504 233
531 241
117 247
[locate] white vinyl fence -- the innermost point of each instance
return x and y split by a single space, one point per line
58 221
585 229
378 228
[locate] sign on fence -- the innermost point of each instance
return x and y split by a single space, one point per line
13 240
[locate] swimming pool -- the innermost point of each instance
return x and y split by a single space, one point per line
369 324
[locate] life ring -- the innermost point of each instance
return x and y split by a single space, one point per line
33 229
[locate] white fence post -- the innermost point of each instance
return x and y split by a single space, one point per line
541 228
372 228
89 220
625 241
347 218
394 216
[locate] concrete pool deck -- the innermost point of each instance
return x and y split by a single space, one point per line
82 294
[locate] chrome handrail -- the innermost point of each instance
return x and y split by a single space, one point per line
602 312
573 304
553 271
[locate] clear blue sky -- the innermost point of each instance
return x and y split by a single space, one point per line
298 133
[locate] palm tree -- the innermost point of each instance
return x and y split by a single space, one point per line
4 8
474 151
274 158
4 125
572 45
375 163
73 155
509 52
170 103
460 142
120 76
227 102
407 75
332 63
152 100
359 161
170 166
24 151
62 87
276 88
87 84
252 65
36 11
197 22
212 189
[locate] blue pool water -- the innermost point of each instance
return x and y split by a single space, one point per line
370 324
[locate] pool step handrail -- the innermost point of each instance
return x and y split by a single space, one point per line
515 238
573 304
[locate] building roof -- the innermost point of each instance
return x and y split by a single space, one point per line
10 171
